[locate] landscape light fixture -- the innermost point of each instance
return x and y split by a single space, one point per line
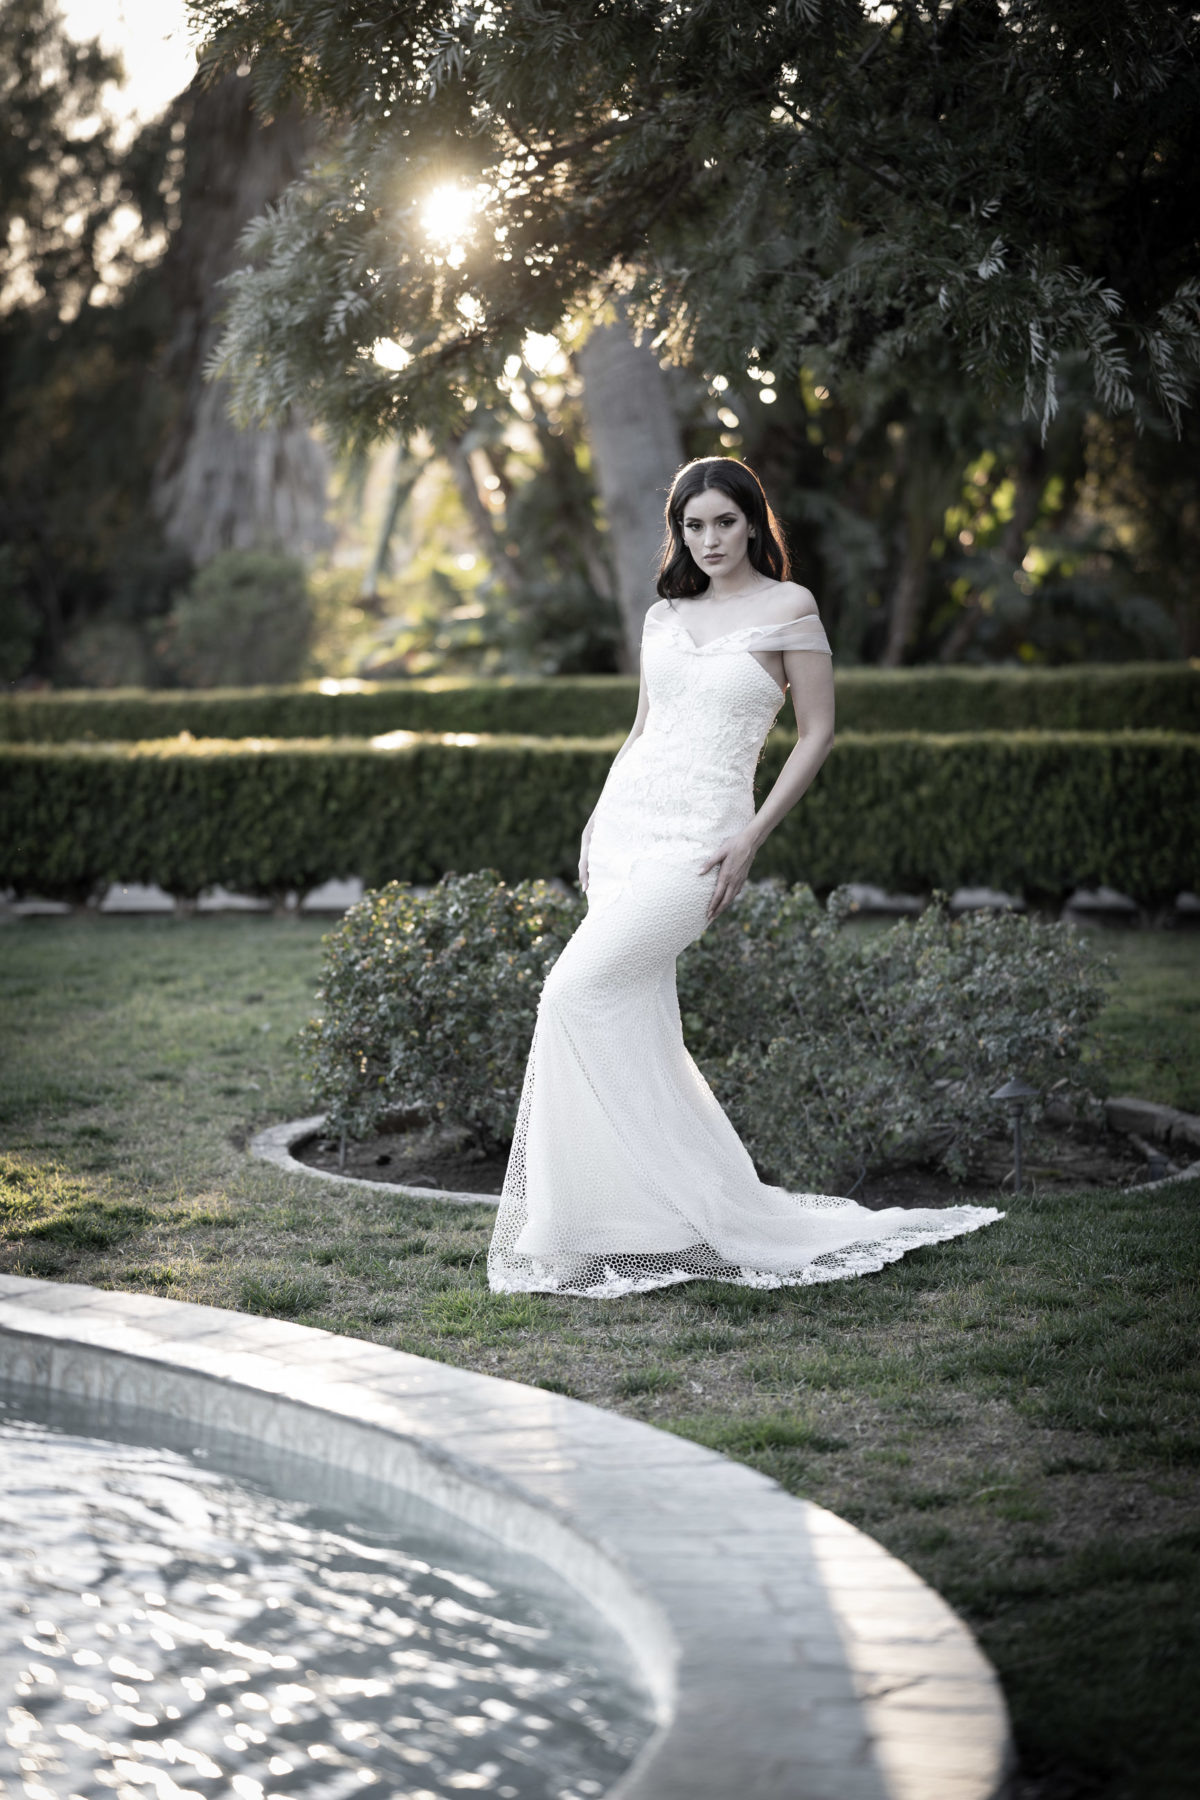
1015 1095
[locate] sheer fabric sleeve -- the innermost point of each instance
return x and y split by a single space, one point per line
807 633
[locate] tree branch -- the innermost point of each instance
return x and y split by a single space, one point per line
564 152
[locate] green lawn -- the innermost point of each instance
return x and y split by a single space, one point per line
1014 1413
1151 1031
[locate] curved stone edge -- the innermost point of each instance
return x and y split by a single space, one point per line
1166 1123
1191 1173
275 1145
786 1652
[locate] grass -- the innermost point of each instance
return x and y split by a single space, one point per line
1151 1031
1015 1414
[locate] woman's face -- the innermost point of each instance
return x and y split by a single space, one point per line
716 532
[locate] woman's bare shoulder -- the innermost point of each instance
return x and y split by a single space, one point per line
788 600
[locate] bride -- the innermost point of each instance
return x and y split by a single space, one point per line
625 1174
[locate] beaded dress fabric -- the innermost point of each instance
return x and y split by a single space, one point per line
625 1173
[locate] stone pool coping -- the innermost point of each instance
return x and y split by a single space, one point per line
788 1654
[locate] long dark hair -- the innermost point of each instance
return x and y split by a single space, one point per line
680 577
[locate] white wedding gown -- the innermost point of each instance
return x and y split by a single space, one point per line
625 1174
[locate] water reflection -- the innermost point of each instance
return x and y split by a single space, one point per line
177 1632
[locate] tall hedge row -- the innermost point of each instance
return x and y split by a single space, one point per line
1038 813
1133 696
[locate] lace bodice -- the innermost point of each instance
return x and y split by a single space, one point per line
688 781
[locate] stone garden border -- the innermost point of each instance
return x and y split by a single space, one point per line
275 1145
1142 1118
786 1652
1179 1131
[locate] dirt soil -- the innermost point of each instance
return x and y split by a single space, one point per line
412 1157
1065 1158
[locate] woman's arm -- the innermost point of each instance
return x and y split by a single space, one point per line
635 732
810 677
639 721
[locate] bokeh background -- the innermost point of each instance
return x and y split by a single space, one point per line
147 541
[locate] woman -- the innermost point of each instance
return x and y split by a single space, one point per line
625 1173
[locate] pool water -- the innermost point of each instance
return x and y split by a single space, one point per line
208 1620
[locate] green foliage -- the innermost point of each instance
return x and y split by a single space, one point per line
106 653
1092 697
82 323
1038 813
247 618
18 620
818 182
908 490
59 163
837 1053
429 1003
1084 697
834 1052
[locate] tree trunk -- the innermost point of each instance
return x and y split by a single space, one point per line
908 594
928 475
217 487
636 449
503 556
406 472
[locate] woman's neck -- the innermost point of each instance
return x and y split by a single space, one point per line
738 584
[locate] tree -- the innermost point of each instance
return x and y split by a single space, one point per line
636 449
61 175
216 487
78 407
830 183
119 467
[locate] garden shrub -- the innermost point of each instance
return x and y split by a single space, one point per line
569 706
430 1002
1086 697
107 653
247 617
836 1052
1037 813
840 1053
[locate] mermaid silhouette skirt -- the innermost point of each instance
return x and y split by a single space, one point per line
625 1174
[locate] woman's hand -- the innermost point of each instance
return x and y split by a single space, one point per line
584 842
734 858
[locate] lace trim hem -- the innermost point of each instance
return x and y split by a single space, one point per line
609 1278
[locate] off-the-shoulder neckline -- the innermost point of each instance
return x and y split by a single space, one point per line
743 630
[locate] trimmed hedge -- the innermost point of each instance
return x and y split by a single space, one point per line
1085 697
570 705
1038 813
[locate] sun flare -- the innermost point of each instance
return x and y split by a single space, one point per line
448 213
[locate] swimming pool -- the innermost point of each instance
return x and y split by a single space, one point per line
194 1616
